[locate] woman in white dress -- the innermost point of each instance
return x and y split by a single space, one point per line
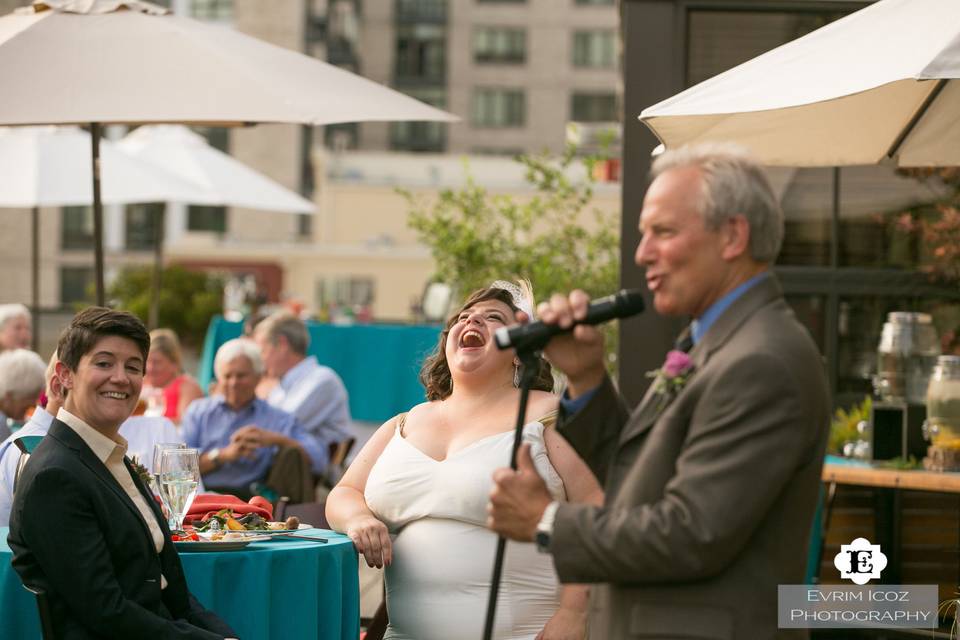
414 499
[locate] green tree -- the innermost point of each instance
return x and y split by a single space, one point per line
188 299
477 237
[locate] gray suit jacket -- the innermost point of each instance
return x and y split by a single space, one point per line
709 497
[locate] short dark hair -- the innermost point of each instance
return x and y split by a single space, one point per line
94 323
435 374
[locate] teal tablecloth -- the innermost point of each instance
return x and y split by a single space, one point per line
289 589
379 364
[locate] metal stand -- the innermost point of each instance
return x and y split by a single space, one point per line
529 365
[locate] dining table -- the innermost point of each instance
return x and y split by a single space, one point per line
278 588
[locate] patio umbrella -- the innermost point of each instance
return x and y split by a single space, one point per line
50 166
878 85
221 179
224 181
131 62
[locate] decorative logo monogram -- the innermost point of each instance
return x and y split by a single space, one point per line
860 561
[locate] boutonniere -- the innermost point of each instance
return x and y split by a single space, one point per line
670 378
141 471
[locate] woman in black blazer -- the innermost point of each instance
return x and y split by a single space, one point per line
83 525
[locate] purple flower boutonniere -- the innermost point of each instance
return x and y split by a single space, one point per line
672 376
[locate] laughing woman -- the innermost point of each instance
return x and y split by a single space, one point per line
426 475
83 526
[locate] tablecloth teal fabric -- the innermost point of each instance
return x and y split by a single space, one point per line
282 589
379 364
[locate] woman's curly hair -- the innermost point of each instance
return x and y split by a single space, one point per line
435 374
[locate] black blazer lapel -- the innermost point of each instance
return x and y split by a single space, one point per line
72 439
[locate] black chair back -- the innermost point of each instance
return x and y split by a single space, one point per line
43 608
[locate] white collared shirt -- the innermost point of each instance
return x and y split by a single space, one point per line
110 453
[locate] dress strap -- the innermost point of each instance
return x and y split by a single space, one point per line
401 421
549 419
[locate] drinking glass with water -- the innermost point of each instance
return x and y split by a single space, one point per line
179 478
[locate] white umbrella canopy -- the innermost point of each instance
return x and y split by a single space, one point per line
50 166
131 62
876 86
223 179
82 61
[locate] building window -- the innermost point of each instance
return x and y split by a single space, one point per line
594 107
594 49
499 108
422 11
421 54
76 284
499 45
341 136
209 218
141 225
421 136
213 10
206 218
76 228
304 225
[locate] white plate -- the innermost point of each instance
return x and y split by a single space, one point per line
218 545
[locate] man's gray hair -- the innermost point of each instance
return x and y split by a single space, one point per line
286 324
10 311
22 373
733 184
237 348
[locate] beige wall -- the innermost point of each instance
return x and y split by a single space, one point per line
272 149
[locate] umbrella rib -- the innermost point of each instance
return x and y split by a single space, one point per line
895 147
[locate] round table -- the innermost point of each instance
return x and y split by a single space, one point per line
284 588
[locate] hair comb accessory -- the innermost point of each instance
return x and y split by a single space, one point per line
522 294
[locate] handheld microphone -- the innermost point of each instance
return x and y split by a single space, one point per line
535 335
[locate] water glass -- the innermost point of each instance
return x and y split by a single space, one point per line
179 479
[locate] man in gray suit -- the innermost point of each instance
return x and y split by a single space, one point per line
711 483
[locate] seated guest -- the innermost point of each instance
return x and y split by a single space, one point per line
165 375
311 392
84 527
141 433
15 330
21 381
240 435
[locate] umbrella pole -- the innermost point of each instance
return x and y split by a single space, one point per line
158 229
35 285
97 213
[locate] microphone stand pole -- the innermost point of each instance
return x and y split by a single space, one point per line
529 367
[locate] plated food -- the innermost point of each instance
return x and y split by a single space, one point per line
226 520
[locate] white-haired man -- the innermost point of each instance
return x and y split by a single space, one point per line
239 434
21 381
311 392
15 330
711 483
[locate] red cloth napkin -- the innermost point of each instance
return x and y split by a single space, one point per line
207 504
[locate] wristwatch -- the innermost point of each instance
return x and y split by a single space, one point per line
545 527
214 456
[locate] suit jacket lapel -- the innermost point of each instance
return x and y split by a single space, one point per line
71 439
651 407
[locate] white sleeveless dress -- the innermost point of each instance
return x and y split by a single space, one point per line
439 583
